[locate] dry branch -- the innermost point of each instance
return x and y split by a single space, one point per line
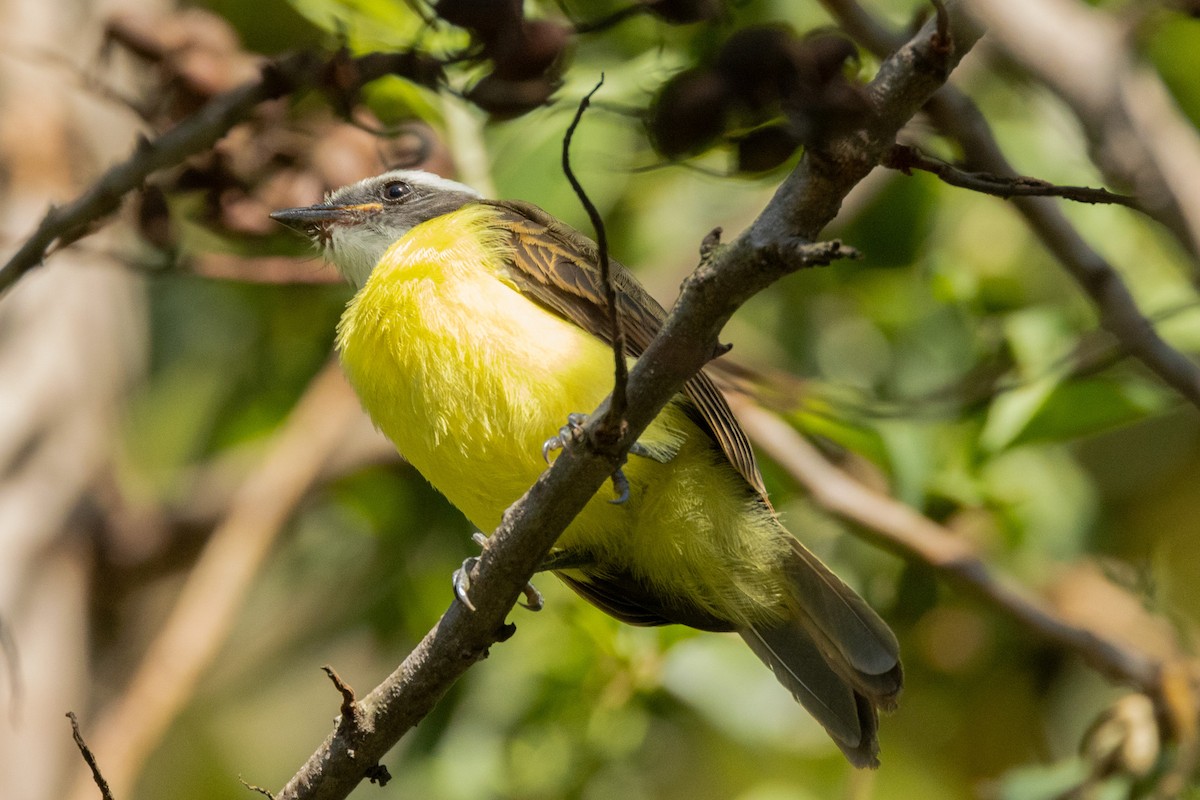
906 158
89 758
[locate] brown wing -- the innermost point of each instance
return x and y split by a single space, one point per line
555 266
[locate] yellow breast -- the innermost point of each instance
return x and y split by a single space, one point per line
461 372
467 377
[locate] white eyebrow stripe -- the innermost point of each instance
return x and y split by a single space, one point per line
416 177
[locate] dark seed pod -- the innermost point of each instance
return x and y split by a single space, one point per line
528 50
828 54
765 148
823 101
689 113
839 107
685 12
485 18
504 99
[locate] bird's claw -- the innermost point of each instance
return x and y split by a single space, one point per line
533 598
461 580
572 432
620 487
567 435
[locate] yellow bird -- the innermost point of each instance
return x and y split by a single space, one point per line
479 327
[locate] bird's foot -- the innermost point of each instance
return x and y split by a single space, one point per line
567 435
462 581
572 432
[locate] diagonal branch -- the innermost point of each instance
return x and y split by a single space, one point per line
897 527
1137 134
803 205
960 119
338 73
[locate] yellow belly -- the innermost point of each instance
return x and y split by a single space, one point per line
468 378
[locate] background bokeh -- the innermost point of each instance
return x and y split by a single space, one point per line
146 372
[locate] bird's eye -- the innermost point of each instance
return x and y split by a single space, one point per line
395 191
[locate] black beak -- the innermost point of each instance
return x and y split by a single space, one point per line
309 219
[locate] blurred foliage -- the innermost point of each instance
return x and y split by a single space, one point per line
956 356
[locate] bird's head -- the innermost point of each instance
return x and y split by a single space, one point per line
358 223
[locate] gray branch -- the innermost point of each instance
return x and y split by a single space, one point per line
960 119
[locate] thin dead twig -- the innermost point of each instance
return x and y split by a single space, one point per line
620 367
906 158
89 757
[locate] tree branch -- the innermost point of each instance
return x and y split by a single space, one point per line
1138 136
959 118
804 204
897 527
339 74
906 158
89 758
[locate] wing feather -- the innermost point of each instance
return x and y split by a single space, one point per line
556 267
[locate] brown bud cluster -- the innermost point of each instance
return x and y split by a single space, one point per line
767 92
527 56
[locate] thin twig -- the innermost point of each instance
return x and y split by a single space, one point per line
86 752
257 789
351 710
906 158
620 367
960 118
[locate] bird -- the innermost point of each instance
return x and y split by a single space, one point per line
478 326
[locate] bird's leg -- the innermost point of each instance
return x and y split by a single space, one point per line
462 581
558 559
573 431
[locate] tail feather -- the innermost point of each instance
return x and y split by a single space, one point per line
799 664
864 641
882 689
834 654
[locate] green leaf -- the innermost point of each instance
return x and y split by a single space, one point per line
1082 408
1051 411
379 25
